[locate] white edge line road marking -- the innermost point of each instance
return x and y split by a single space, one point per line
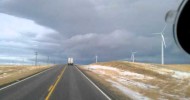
24 79
95 85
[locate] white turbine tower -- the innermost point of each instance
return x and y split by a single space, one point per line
133 56
163 43
96 58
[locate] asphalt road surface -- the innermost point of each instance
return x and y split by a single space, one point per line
64 82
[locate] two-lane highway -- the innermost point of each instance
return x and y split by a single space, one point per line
59 83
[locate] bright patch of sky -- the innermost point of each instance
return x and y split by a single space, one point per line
17 35
12 27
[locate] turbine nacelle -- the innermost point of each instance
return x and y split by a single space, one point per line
162 35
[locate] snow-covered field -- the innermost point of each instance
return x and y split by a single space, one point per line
163 84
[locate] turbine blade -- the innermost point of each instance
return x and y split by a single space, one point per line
163 40
156 33
164 29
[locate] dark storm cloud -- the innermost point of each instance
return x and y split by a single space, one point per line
111 29
66 16
85 16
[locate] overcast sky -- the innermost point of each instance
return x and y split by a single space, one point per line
111 29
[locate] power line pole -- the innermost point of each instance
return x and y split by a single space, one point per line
23 61
36 53
48 60
54 62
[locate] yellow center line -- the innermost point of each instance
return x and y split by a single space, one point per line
54 86
58 76
50 88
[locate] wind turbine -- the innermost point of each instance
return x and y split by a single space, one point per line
163 43
133 56
96 58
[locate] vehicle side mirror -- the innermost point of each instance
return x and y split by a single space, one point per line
182 26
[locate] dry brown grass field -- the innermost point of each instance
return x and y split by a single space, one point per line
152 81
99 80
9 74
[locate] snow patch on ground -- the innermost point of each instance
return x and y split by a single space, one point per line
163 71
101 72
120 72
181 75
101 67
132 94
136 75
123 79
121 76
138 84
